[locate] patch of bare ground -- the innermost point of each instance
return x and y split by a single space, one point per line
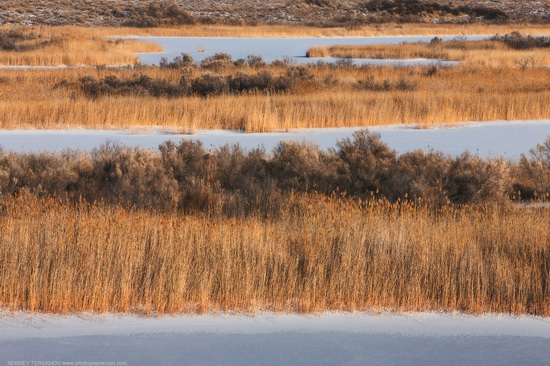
325 13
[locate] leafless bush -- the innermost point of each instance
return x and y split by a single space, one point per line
410 10
420 176
156 13
255 61
204 85
235 182
320 3
131 177
518 41
14 40
139 85
472 179
181 61
385 85
44 174
365 164
217 61
210 85
302 166
533 172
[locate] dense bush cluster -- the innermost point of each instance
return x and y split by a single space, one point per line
153 14
14 40
215 62
320 3
233 181
319 13
518 41
386 84
205 85
409 9
9 39
210 82
139 85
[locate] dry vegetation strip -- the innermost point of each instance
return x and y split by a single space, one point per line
255 96
319 254
235 182
470 53
316 96
386 29
48 47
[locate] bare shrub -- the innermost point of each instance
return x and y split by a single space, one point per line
131 177
471 179
139 85
246 181
410 10
263 82
533 173
420 176
210 85
181 61
365 164
217 61
244 82
156 13
302 166
400 84
236 182
204 85
44 174
9 40
320 3
517 41
193 170
255 61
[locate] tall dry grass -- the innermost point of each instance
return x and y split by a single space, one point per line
329 97
318 254
386 29
74 48
319 96
273 113
469 53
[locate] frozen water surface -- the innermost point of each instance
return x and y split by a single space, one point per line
486 139
272 49
269 339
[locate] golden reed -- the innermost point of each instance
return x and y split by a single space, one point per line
320 254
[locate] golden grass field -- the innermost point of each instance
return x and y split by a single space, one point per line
332 98
95 51
469 53
387 29
319 254
490 85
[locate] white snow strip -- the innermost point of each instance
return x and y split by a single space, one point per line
486 139
270 339
25 325
271 49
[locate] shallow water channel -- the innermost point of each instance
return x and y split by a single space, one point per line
291 49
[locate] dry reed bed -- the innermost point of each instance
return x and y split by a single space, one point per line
79 50
328 97
469 53
87 46
271 113
319 254
220 30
